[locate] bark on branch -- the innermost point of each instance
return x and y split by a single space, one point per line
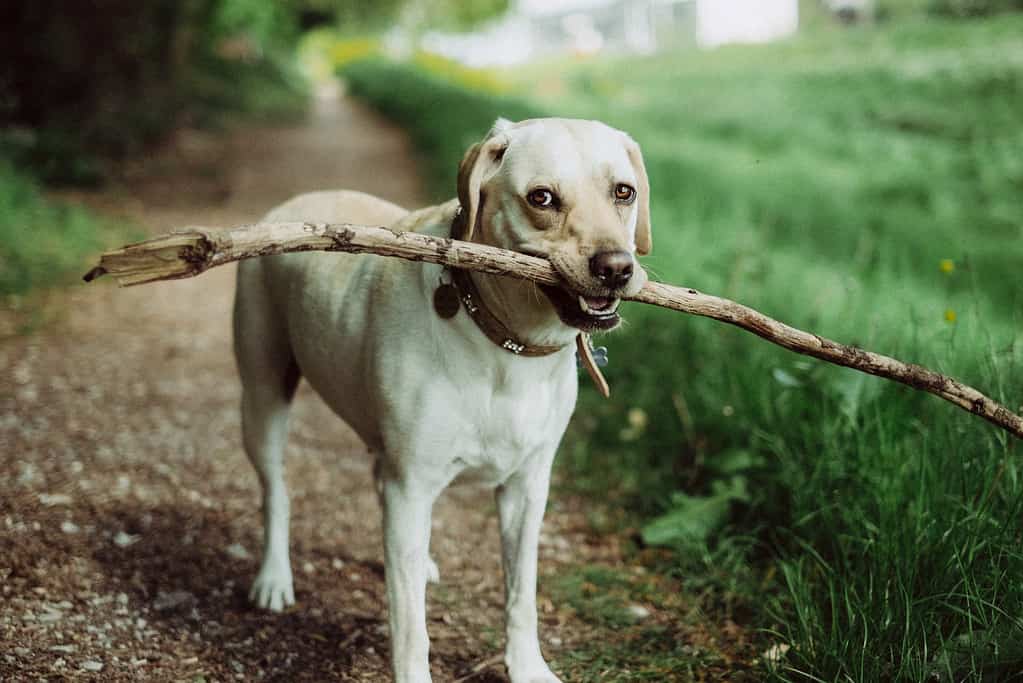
189 252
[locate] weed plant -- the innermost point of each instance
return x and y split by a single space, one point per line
43 242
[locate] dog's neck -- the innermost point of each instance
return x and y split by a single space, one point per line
519 306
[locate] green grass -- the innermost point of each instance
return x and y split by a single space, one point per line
43 242
866 185
668 641
424 104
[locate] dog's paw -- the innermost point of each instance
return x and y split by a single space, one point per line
537 677
535 672
273 589
432 571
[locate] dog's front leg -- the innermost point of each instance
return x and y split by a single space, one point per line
407 510
521 502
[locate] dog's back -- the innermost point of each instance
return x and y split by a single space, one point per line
267 314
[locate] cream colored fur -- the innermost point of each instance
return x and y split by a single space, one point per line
435 399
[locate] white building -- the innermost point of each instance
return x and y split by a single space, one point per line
538 28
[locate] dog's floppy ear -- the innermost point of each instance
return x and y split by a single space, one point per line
644 239
479 163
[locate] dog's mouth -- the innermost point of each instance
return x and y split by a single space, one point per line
583 311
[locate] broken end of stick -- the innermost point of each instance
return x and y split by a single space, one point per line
98 271
177 255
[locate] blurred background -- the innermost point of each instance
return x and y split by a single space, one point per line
852 167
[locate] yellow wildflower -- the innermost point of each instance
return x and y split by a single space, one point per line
637 418
947 265
950 315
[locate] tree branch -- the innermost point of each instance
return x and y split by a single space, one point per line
189 252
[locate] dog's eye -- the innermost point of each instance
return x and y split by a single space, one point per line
541 198
624 194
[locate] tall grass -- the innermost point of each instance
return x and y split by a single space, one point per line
867 186
42 242
425 104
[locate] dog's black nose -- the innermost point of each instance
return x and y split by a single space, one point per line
612 268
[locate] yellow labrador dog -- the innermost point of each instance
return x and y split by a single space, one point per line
446 374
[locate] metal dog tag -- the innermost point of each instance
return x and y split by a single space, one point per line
446 301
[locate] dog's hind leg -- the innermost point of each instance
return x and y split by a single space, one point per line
269 378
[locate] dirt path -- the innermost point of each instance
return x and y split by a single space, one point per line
129 525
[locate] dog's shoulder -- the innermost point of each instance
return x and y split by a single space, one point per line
432 220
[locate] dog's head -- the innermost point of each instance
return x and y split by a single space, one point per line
572 191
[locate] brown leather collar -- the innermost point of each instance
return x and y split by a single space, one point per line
492 326
497 332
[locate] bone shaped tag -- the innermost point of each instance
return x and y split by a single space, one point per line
586 356
599 354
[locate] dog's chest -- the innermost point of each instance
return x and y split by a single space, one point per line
505 418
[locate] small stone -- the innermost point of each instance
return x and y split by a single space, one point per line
66 649
123 539
638 612
69 527
173 599
92 665
308 568
774 654
50 616
28 474
52 499
22 651
337 564
238 552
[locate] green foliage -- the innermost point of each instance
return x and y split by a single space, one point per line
461 14
81 85
864 185
43 242
692 520
473 79
667 641
895 9
355 17
974 8
426 105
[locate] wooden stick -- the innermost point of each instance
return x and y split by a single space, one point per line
189 252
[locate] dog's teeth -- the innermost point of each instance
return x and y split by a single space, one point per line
608 308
